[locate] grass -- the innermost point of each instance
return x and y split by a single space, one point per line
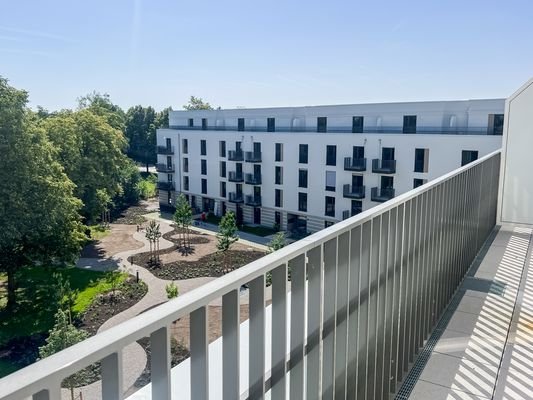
35 309
254 230
98 232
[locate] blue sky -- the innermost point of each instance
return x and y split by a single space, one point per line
265 53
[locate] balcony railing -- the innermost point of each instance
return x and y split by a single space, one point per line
364 296
353 192
235 155
354 164
166 186
383 166
253 156
381 194
236 197
235 176
350 213
165 150
252 179
253 200
164 167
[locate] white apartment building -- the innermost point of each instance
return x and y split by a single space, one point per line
304 168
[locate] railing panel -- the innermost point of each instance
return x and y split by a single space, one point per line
388 358
230 345
403 351
112 377
328 325
298 310
373 267
279 333
314 322
397 322
413 280
257 339
364 319
160 363
199 340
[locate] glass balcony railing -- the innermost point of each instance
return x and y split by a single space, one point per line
381 194
166 186
236 197
253 156
253 200
354 192
348 308
164 167
383 166
165 150
235 176
354 164
235 155
252 179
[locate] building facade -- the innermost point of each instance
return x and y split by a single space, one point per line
303 168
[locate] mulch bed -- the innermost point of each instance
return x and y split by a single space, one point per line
211 265
131 216
194 236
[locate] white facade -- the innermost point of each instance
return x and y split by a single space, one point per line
443 131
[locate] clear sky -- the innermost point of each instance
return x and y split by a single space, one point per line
265 53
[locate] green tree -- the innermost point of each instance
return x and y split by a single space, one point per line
183 219
64 335
153 234
196 103
227 232
172 290
39 217
101 104
278 242
141 125
65 295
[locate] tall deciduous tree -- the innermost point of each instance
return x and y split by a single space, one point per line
140 132
196 103
39 217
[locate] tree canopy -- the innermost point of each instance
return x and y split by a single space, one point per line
196 103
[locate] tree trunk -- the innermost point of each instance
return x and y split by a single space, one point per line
72 392
11 288
147 169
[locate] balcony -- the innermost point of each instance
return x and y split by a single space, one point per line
236 197
164 168
252 179
381 195
253 156
363 297
380 166
351 213
354 164
353 192
165 150
166 186
253 200
235 155
235 176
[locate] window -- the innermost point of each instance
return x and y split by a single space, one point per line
327 224
186 183
222 169
358 152
169 162
357 124
240 124
356 207
387 182
330 206
467 156
222 148
302 202
330 181
222 189
302 178
191 122
495 124
204 167
185 165
279 198
277 219
279 176
418 182
303 154
203 148
409 124
421 160
387 153
321 124
168 143
185 146
271 124
204 186
331 155
170 177
204 124
279 152
169 197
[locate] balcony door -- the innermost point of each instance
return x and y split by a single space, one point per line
257 148
257 170
357 181
387 182
257 191
169 162
387 153
168 143
358 152
257 216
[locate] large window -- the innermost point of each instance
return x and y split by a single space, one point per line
467 156
303 154
421 160
279 152
322 124
203 147
185 164
278 198
240 124
331 155
204 186
387 153
185 146
330 206
222 148
222 169
191 122
271 124
409 124
204 124
279 176
222 189
302 178
302 202
357 124
186 183
204 167
330 181
495 124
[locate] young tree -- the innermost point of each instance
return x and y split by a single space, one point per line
64 335
196 103
150 236
183 219
227 235
65 295
172 290
39 217
278 242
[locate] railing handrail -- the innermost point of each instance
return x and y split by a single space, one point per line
55 368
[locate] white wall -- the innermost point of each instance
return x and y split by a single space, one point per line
516 186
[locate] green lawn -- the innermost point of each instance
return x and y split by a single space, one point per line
35 306
254 230
98 232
